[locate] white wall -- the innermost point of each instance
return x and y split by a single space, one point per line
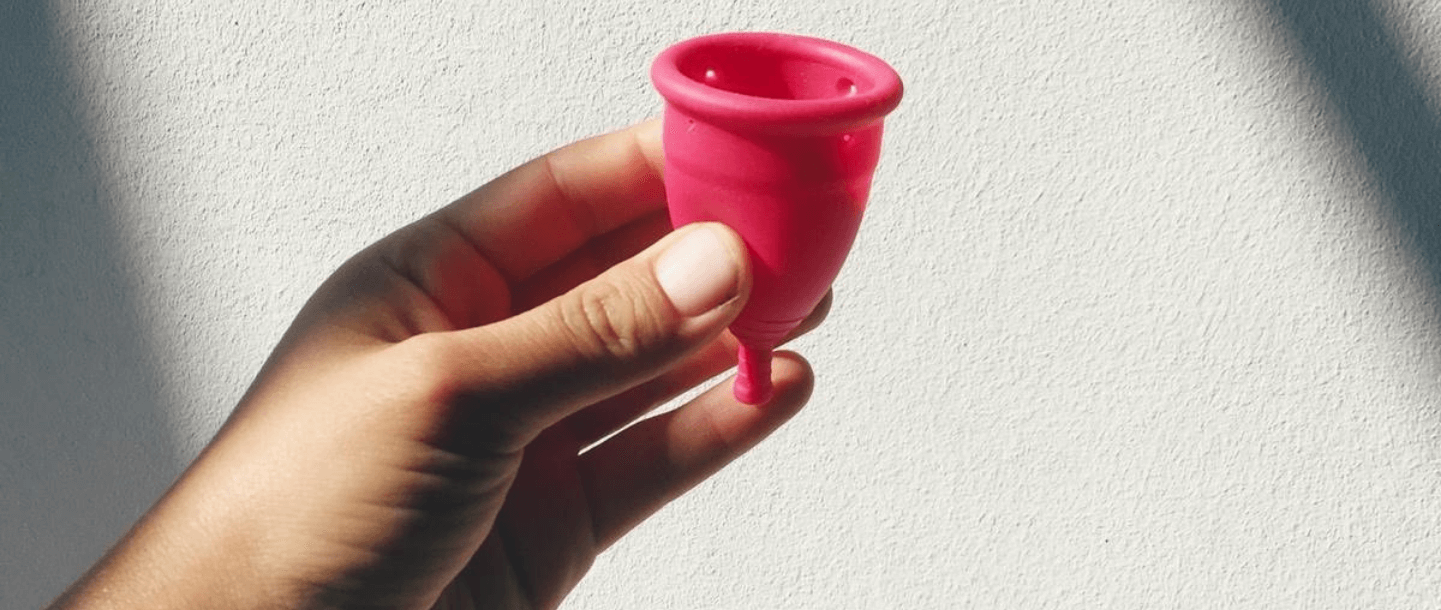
1144 312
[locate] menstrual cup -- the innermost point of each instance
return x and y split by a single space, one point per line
776 136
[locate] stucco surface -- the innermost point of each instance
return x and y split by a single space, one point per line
1144 312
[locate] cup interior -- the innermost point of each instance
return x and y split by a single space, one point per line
771 73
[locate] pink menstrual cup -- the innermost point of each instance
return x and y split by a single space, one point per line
776 136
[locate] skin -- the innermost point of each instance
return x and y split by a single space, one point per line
418 439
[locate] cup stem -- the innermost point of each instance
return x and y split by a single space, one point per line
753 376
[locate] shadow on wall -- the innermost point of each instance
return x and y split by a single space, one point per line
1353 54
84 446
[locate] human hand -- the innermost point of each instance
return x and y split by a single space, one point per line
419 437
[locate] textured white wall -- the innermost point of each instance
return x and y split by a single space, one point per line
1144 313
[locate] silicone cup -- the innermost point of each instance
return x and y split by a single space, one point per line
777 136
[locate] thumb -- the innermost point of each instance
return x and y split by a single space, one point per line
621 328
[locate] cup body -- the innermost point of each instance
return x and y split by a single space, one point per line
777 136
796 200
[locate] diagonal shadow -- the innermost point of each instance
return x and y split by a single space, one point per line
84 445
1367 80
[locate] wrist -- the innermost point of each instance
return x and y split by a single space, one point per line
195 548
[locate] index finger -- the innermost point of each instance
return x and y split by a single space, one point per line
536 214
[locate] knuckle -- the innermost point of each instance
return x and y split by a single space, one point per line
611 321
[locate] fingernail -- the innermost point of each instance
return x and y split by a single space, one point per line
697 272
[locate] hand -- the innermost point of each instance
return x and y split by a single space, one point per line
418 438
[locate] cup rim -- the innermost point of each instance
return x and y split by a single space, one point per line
739 111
